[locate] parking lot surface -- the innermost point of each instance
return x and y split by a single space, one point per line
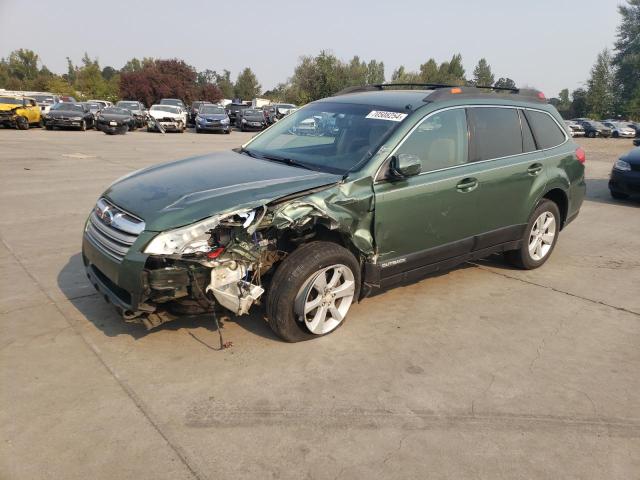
481 372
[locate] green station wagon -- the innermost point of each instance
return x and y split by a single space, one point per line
353 194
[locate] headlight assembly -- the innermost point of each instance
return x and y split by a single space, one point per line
190 239
622 165
224 121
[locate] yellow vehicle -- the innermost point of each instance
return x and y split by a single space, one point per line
19 112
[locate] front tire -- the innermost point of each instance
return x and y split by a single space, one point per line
312 291
22 123
591 135
83 126
540 238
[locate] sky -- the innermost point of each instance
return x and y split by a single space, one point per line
547 44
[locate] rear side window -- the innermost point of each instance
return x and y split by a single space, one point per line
545 130
528 143
495 133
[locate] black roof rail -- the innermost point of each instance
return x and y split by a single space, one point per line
445 90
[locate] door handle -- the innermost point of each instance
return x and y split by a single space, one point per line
467 184
534 169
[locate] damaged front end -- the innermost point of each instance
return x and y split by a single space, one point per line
227 259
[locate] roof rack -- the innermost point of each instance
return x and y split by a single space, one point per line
444 90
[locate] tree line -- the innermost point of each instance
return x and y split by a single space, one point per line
612 89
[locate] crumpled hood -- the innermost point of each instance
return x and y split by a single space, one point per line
178 193
163 114
7 107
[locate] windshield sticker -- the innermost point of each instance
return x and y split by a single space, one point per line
391 116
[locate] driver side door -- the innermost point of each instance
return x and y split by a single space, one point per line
429 218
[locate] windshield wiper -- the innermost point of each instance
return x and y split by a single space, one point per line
288 161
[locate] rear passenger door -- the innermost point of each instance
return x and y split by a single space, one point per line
509 170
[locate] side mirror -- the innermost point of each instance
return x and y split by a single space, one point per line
405 165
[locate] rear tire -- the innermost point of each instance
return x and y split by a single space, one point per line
616 134
540 237
295 282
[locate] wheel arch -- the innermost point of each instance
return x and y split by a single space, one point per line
559 196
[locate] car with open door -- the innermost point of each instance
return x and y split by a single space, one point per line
390 185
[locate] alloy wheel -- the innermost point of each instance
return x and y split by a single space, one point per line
327 295
542 236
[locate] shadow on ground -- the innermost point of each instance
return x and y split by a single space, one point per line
598 191
104 316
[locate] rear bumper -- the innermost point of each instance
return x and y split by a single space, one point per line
625 182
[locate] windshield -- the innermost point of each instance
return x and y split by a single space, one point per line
11 100
597 124
127 105
210 110
68 107
171 101
331 137
165 108
115 110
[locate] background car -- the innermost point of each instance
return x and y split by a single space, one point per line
232 111
593 129
19 112
46 101
575 129
113 120
251 119
137 109
170 117
94 107
104 103
68 99
625 175
619 130
212 118
70 115
194 109
176 102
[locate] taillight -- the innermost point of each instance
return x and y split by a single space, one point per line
581 155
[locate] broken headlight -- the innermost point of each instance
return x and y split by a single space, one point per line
190 239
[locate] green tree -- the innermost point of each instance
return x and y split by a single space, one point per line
357 72
23 65
247 86
579 104
429 72
224 83
108 73
375 72
482 75
505 83
626 59
600 87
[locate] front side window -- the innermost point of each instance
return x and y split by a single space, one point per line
546 131
439 141
495 133
332 137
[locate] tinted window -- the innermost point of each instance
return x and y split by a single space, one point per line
528 143
546 131
440 141
495 133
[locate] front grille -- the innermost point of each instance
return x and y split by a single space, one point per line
112 230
